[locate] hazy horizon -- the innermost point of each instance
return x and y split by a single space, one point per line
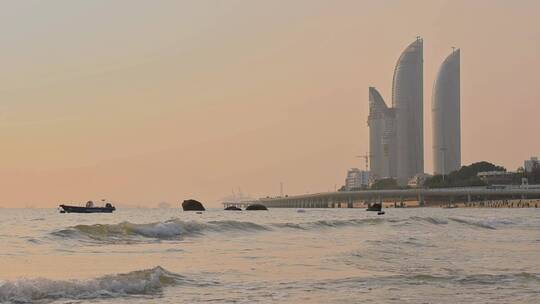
142 102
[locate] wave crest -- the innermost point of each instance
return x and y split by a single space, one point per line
330 223
474 223
141 282
172 229
430 220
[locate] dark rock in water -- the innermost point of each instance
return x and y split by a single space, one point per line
233 208
256 207
192 205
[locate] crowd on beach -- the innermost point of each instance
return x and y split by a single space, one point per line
521 203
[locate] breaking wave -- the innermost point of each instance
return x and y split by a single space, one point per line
176 229
142 282
168 230
480 224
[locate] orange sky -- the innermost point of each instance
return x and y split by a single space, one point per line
149 101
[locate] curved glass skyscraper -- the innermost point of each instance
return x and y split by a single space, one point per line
445 104
408 100
381 122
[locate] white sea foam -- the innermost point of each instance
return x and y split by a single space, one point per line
142 282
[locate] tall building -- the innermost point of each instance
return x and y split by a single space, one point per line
408 101
381 122
530 164
445 105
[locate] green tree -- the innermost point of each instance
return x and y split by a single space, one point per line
466 176
385 183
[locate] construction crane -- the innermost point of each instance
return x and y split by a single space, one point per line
366 158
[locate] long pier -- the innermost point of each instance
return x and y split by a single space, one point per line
351 199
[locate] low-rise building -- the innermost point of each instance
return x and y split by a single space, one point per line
356 179
497 177
418 180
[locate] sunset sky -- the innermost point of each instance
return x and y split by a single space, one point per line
148 101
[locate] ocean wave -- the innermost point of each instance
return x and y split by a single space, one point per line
430 220
474 223
330 223
498 278
479 279
422 279
176 229
141 282
168 230
477 223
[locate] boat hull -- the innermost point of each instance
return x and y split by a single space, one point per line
78 209
375 207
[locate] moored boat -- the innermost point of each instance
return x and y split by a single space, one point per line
374 207
89 208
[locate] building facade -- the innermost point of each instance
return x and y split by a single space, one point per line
357 179
445 107
381 122
408 101
497 177
530 164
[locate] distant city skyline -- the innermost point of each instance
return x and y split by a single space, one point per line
396 133
142 102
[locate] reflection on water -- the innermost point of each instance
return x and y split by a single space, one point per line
317 256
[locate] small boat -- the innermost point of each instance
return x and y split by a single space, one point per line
450 206
89 208
374 207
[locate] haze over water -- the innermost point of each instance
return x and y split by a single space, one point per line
417 255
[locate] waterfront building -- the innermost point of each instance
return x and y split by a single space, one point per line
418 180
445 107
497 177
407 101
530 164
382 151
357 179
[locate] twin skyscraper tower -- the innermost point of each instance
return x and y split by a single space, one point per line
396 134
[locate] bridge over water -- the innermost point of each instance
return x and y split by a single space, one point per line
351 198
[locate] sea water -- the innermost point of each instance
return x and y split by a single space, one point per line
416 255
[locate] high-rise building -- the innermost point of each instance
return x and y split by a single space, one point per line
407 101
530 164
381 122
446 119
